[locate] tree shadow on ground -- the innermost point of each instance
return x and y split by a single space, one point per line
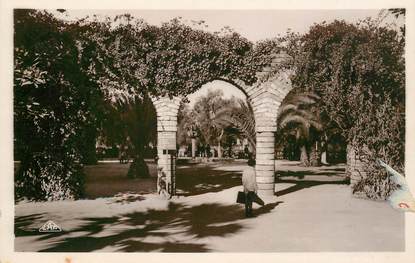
199 179
334 176
126 198
22 225
334 169
300 174
179 228
266 208
109 179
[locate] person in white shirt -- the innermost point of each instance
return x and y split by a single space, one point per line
250 186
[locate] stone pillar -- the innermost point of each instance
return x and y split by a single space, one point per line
166 138
166 150
265 162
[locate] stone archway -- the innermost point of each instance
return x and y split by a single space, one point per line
264 98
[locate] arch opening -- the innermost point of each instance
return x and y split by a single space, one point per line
208 128
262 100
218 114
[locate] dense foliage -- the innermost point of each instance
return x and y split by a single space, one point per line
54 102
359 72
66 73
69 75
172 59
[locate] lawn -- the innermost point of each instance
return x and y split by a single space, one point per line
109 178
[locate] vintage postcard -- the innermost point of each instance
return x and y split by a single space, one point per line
207 130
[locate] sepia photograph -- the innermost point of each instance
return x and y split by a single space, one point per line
209 130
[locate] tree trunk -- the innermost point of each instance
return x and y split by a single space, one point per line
230 151
324 158
88 146
304 156
350 160
194 147
219 147
303 149
138 167
314 156
219 151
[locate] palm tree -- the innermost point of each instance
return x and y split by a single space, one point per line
204 116
216 119
299 113
239 115
132 120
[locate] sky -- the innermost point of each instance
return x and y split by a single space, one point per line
254 25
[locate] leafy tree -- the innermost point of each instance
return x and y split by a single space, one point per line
397 22
185 124
359 72
218 121
52 107
205 113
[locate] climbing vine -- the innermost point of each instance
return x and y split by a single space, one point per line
65 73
359 71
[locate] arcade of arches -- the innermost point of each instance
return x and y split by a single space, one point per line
265 99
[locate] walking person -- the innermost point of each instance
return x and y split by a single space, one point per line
250 187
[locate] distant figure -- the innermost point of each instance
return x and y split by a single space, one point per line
246 151
124 153
201 150
250 187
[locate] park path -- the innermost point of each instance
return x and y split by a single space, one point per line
313 212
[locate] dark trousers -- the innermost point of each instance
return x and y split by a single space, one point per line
249 198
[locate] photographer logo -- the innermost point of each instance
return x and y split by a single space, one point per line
50 226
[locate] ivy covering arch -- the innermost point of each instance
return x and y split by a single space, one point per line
115 59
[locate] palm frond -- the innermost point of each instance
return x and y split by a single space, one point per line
299 112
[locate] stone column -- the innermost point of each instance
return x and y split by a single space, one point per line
166 150
265 162
166 137
265 98
265 106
